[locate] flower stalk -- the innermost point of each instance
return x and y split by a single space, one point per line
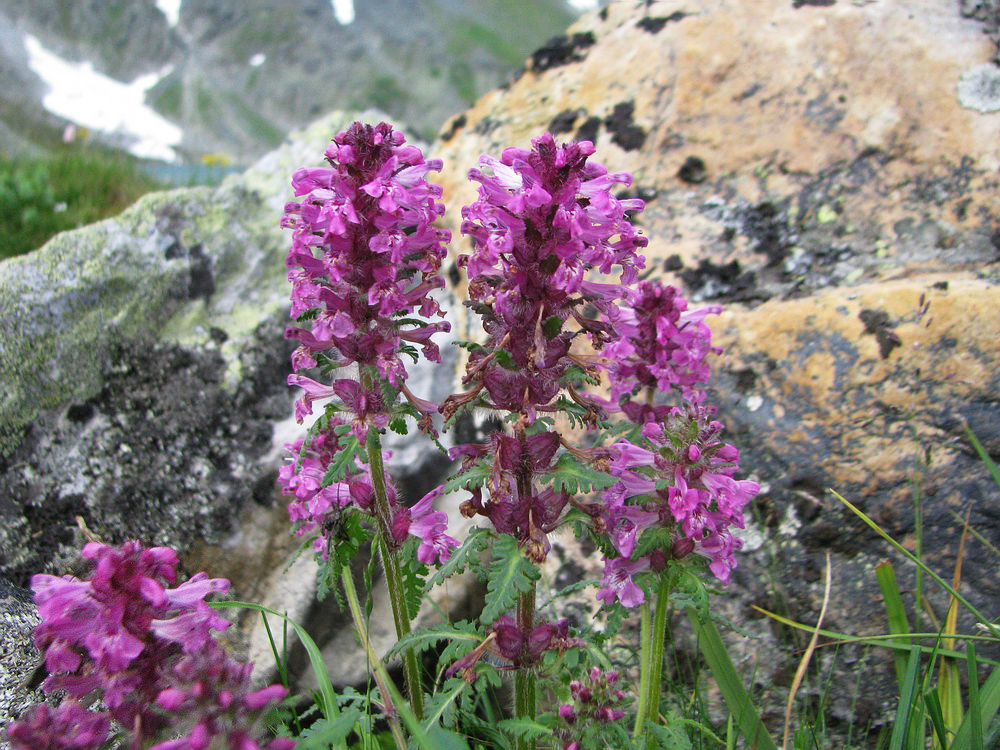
401 615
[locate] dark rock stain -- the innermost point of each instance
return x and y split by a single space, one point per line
728 280
655 25
564 121
589 130
817 3
456 124
877 324
673 263
561 50
693 170
625 132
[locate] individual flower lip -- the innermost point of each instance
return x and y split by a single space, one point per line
428 526
617 582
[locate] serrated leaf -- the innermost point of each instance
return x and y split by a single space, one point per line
506 360
326 732
653 538
466 555
444 739
509 574
569 475
343 461
420 640
470 346
473 477
552 326
523 727
398 425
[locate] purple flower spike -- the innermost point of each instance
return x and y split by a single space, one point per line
69 726
365 250
663 345
144 648
544 219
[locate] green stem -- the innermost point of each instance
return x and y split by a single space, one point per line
390 561
658 639
377 672
645 654
525 703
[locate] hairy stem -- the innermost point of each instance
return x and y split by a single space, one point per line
525 703
359 624
645 660
390 561
658 637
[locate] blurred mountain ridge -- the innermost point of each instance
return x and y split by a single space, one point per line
237 75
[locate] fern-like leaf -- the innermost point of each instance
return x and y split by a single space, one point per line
420 640
509 574
569 475
465 556
473 477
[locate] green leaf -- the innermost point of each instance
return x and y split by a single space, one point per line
908 699
895 612
328 698
343 461
552 326
509 574
741 707
398 425
524 727
471 346
445 739
421 640
466 555
506 360
471 478
324 732
569 475
414 573
983 455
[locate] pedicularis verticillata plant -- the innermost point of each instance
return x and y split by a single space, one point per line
553 276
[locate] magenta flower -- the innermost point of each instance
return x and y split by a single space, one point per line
618 584
703 501
663 346
69 726
428 526
142 647
596 701
365 255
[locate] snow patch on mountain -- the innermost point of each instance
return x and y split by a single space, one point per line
82 95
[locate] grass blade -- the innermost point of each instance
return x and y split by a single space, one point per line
328 699
975 709
989 704
983 455
895 613
804 663
995 630
738 700
886 640
907 701
933 707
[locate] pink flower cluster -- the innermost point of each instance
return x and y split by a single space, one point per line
148 652
702 500
597 701
544 218
663 345
314 505
365 254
